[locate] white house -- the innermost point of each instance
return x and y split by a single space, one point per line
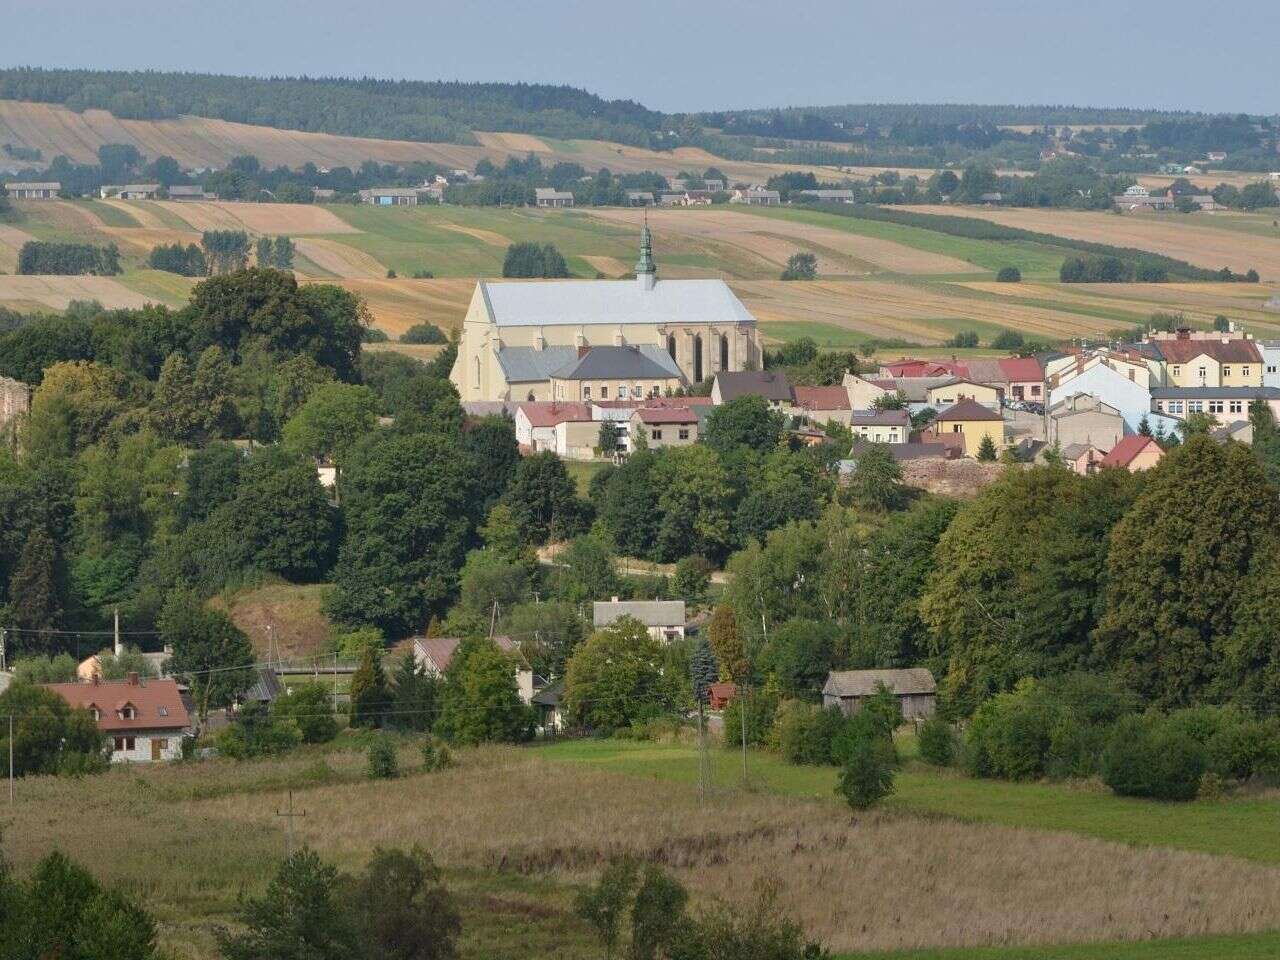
1270 350
144 720
664 619
1130 398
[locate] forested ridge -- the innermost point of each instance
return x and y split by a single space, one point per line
435 111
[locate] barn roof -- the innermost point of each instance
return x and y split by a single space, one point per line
863 683
535 303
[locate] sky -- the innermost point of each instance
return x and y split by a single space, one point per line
704 55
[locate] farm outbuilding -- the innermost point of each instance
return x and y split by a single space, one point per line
915 689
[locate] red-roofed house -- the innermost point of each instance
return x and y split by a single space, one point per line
1225 362
823 404
924 368
145 720
536 422
1025 377
665 426
1134 452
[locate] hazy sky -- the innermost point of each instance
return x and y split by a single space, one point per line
704 54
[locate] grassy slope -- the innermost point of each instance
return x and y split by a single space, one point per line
1261 946
1247 828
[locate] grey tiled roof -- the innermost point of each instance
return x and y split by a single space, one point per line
645 361
533 303
863 683
1215 393
527 364
652 613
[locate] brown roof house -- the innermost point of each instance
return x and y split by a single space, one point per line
770 384
145 720
434 654
915 689
665 426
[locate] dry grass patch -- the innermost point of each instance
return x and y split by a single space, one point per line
290 614
1203 246
11 241
273 218
339 259
774 240
57 292
876 881
396 305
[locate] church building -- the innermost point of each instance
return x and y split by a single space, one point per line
583 340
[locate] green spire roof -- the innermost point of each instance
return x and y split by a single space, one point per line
645 263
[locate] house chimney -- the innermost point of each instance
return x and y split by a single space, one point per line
133 679
583 350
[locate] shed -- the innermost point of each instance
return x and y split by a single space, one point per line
915 689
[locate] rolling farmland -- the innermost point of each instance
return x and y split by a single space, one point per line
877 280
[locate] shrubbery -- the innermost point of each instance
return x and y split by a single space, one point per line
937 742
1009 275
424 333
1153 757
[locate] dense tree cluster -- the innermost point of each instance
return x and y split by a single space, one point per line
186 261
48 256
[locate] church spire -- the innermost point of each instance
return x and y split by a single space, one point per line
646 269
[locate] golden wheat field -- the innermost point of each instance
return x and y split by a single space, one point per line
1204 246
774 240
188 839
337 259
57 292
273 218
396 305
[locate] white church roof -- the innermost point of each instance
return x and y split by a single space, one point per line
535 303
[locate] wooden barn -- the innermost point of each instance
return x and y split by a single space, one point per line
915 689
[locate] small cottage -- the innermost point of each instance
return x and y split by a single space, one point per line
915 689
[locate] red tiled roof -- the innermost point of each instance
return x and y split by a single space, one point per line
822 398
925 368
1021 369
547 413
157 703
440 650
1233 351
1127 450
668 415
685 402
968 410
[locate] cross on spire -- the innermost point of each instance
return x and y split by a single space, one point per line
646 268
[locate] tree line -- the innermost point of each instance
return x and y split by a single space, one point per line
54 257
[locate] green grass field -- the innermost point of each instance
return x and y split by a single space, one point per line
1241 827
111 216
582 471
1259 946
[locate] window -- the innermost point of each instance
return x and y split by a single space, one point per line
163 711
604 393
97 714
476 374
124 743
684 433
1177 371
657 434
1235 406
1195 406
127 712
955 428
1215 406
1271 368
1244 372
1226 372
637 391
622 391
586 393
162 743
1175 406
1035 389
1131 373
1201 373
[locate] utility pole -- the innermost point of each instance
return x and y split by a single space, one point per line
335 683
702 756
3 634
493 620
742 722
116 647
289 816
11 759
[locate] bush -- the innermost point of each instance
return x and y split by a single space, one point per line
1151 757
310 708
806 733
866 776
760 709
382 760
1103 269
257 733
1009 275
1010 735
937 742
424 333
435 756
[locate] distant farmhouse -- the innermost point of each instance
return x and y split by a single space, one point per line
19 190
619 339
392 196
548 197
